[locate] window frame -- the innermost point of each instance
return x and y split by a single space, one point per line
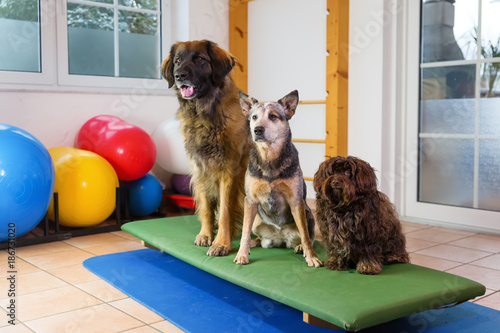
47 32
54 59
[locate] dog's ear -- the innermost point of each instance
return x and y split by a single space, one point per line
246 103
289 103
222 62
320 176
167 66
364 175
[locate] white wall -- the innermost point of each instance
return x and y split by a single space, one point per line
56 117
365 82
287 51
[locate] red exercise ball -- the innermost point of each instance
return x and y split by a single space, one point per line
128 148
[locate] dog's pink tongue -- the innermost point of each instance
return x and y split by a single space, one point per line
187 91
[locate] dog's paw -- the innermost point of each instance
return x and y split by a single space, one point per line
241 259
314 261
363 268
255 242
403 258
298 249
203 240
218 250
335 265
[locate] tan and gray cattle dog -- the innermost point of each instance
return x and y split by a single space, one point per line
275 206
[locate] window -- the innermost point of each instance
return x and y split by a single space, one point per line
460 104
119 39
98 44
20 37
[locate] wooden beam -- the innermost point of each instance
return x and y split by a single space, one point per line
337 61
312 320
308 140
238 41
313 102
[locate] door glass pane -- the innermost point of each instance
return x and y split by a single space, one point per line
139 44
465 27
451 116
20 36
490 75
90 40
448 82
489 121
447 171
489 174
459 129
448 30
490 29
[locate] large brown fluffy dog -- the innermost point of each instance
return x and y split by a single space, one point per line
216 135
359 224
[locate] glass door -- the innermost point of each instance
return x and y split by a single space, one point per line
454 123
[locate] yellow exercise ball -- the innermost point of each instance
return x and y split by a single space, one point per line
86 185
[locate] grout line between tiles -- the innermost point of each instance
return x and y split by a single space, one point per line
128 314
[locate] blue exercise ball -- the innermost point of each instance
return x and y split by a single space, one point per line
144 194
26 181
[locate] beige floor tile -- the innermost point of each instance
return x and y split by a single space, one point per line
455 231
5 323
490 278
59 259
75 274
115 247
34 282
487 293
166 326
491 301
126 235
415 244
454 253
18 328
84 242
21 267
49 302
435 235
416 225
409 226
95 319
432 262
492 262
102 290
42 249
137 310
142 329
407 229
480 242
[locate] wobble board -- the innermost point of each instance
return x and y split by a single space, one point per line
346 299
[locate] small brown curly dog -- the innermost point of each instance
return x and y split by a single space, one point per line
359 224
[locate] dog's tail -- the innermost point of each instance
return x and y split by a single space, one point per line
238 211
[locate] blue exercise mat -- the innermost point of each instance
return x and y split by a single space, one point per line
197 301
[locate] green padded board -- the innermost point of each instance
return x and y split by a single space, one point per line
347 299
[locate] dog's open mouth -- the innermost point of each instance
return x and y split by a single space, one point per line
187 91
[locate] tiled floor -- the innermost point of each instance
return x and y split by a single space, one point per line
55 293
